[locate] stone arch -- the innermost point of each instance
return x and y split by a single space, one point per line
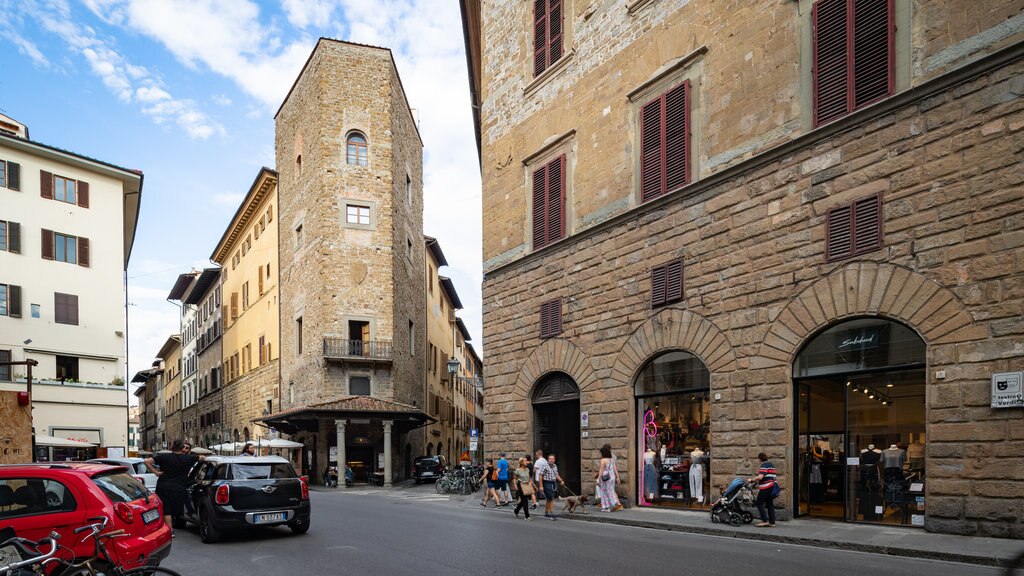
675 329
867 289
554 355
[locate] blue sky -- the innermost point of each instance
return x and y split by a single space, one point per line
186 91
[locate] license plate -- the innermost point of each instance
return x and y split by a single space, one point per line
150 515
266 518
428 473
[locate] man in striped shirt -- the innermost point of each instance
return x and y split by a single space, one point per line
766 491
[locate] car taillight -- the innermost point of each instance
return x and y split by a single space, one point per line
305 489
223 494
124 512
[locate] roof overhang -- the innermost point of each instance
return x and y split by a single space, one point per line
435 249
449 288
470 10
181 285
402 416
265 182
201 286
462 329
172 342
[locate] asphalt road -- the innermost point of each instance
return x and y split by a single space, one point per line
416 532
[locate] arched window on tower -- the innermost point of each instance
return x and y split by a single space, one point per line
355 149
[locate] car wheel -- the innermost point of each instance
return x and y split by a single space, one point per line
300 526
208 533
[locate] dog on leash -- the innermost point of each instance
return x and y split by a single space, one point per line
574 502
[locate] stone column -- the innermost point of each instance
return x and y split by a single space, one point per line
340 426
387 453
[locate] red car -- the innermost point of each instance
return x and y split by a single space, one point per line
38 498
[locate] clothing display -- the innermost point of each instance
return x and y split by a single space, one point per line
870 483
697 482
893 457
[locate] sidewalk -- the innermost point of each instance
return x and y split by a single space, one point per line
893 540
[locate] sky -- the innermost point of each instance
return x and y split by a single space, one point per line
186 91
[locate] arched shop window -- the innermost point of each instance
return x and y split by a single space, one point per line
859 390
674 431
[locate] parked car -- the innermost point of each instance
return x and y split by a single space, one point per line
429 468
136 467
238 492
36 499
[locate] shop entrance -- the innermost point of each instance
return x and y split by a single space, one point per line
859 390
556 424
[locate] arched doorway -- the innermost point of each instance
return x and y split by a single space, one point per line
859 400
556 424
673 413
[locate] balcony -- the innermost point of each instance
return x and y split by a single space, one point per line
358 351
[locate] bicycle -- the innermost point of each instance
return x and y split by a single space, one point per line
28 548
101 564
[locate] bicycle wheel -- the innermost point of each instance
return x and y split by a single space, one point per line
441 485
150 571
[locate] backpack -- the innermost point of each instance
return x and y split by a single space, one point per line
494 474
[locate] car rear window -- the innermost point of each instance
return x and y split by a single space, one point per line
30 496
427 462
261 471
120 487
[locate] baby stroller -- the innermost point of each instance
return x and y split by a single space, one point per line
729 509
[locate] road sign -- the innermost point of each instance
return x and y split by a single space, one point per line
474 433
472 444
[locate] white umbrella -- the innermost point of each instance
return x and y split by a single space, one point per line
282 443
45 440
199 450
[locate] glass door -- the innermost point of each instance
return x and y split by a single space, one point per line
821 440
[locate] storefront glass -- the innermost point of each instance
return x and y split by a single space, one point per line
860 405
674 431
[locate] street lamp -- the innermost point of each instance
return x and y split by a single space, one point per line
453 369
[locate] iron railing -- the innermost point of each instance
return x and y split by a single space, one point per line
358 349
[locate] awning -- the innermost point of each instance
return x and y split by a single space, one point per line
55 442
404 416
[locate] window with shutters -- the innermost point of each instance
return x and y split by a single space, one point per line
10 175
245 296
665 143
548 184
548 25
853 55
10 237
667 283
65 308
551 318
854 229
65 248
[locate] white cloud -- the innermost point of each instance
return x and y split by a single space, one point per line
151 94
303 13
25 46
221 99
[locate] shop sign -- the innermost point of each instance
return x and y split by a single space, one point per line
1006 390
861 339
584 420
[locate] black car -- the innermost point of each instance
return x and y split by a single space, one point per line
429 468
238 492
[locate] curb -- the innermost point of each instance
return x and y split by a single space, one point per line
800 540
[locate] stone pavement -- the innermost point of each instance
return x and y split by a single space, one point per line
893 540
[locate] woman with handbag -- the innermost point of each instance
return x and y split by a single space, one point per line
607 477
525 488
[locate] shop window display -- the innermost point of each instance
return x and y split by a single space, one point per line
674 420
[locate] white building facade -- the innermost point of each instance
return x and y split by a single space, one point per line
67 224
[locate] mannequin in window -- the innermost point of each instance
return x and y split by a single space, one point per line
893 459
817 486
915 453
650 475
870 482
697 475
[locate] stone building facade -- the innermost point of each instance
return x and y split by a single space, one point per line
350 163
770 293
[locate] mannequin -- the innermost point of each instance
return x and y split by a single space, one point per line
697 475
870 482
893 458
650 475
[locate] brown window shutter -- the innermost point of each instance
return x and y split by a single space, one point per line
73 309
651 151
539 207
551 318
556 316
554 31
82 193
261 280
540 36
556 200
46 184
14 237
867 224
263 358
674 281
838 233
677 137
47 243
13 176
234 305
831 69
657 286
14 301
83 252
872 38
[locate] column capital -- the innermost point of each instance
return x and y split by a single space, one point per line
387 425
340 424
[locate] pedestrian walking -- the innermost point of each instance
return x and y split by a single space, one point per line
172 470
767 490
503 478
525 487
533 497
548 472
607 477
491 477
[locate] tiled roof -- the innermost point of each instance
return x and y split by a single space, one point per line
361 404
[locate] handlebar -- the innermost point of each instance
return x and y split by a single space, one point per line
53 550
98 523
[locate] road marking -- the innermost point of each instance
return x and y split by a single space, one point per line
257 559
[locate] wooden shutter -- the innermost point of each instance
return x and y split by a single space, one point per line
260 276
234 305
551 318
540 36
47 244
13 176
14 237
263 358
657 286
831 68
554 31
82 193
46 184
674 281
872 50
14 301
556 200
838 233
539 207
677 137
72 303
651 153
83 252
867 224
